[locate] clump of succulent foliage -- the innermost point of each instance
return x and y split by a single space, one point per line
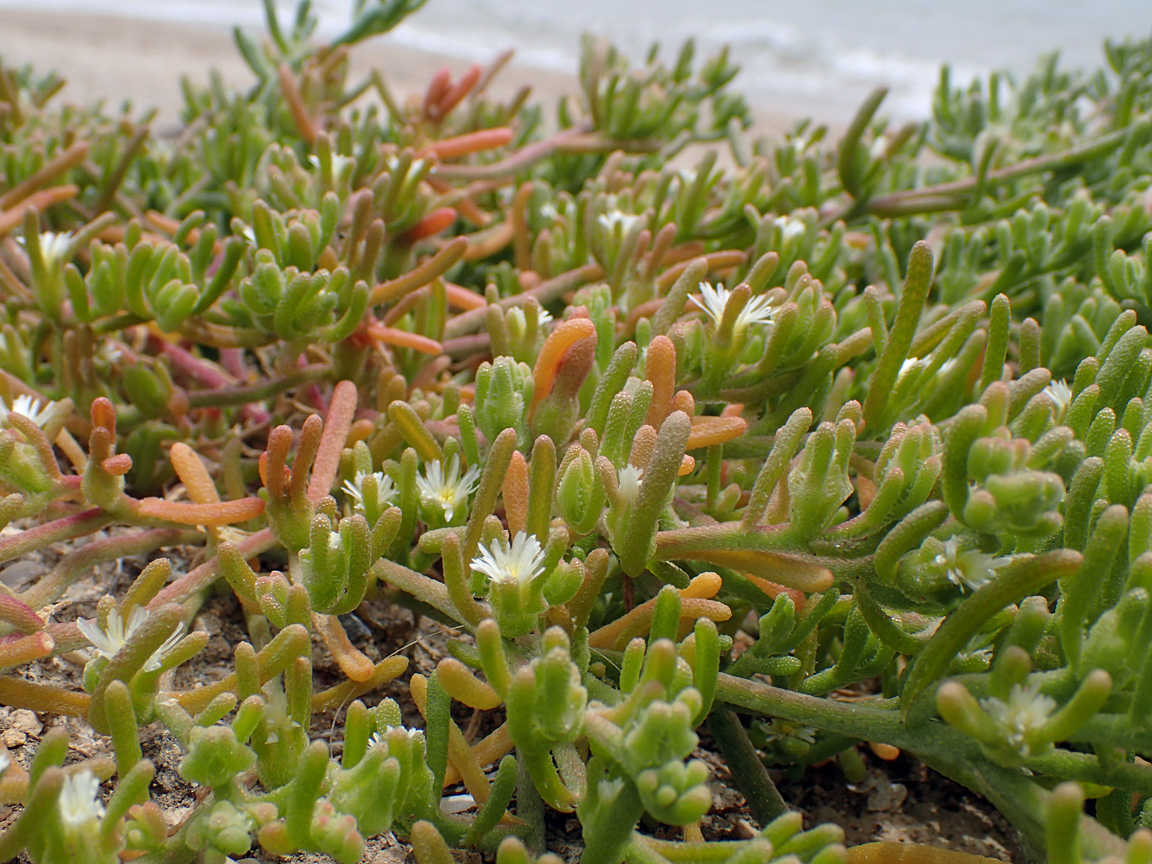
838 445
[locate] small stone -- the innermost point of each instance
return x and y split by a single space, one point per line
25 721
14 738
20 573
887 796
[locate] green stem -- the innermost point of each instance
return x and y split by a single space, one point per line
764 799
244 395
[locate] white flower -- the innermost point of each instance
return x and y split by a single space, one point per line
518 319
1026 710
78 799
108 643
393 162
967 568
5 761
109 352
713 300
628 483
339 163
54 247
377 739
521 563
947 366
790 228
447 489
385 490
1061 395
614 219
28 406
911 365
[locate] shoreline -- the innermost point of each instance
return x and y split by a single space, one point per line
115 59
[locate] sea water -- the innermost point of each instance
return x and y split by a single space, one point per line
804 56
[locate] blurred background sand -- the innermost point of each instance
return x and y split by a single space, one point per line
114 59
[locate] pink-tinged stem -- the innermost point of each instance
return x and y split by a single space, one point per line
201 577
76 525
245 393
336 425
232 359
188 363
513 164
79 563
18 650
18 615
213 515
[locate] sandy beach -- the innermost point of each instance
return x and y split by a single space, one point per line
113 59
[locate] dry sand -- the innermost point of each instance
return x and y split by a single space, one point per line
114 59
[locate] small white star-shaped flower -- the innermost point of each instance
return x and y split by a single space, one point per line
108 642
53 247
447 489
616 219
522 562
385 490
1026 710
28 406
78 799
628 481
713 300
1061 395
967 568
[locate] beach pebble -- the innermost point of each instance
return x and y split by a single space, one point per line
25 721
20 573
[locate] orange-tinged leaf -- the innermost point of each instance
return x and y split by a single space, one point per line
404 339
193 474
791 571
341 694
20 693
515 493
773 590
460 297
341 410
710 431
432 224
210 515
704 586
14 217
460 756
566 334
469 142
695 603
660 369
117 465
348 657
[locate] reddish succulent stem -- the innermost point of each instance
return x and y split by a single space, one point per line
75 565
201 577
50 533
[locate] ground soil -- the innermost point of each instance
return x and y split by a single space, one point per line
899 800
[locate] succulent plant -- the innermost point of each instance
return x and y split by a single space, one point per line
832 446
